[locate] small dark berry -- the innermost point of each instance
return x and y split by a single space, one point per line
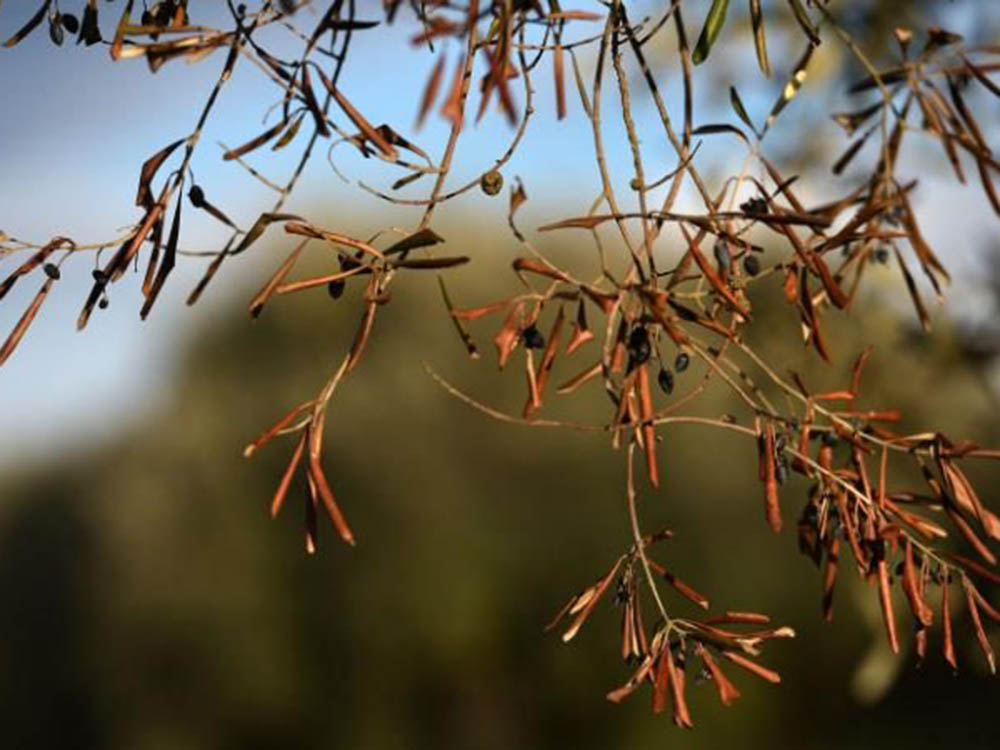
666 381
882 255
197 196
51 270
681 362
830 439
348 263
69 22
99 276
639 357
56 30
754 205
637 337
751 264
103 304
532 338
164 13
491 182
639 348
722 256
781 470
621 592
336 288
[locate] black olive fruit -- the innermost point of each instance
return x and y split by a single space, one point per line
532 338
639 348
336 288
197 196
666 381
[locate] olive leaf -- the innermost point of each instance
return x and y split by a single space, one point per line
710 31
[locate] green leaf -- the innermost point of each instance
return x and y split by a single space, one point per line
741 111
710 32
289 134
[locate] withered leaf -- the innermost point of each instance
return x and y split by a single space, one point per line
560 82
430 90
144 196
286 479
123 23
256 142
261 298
289 133
597 592
30 26
431 263
716 128
885 600
802 17
21 327
727 691
422 238
33 262
359 120
259 227
167 265
752 666
329 501
911 286
794 83
311 102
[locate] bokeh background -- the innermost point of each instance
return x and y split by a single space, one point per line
146 602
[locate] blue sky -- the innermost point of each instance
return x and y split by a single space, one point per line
76 127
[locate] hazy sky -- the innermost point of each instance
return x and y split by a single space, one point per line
76 127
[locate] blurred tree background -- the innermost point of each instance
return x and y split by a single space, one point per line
147 603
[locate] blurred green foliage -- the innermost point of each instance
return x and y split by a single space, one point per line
147 602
